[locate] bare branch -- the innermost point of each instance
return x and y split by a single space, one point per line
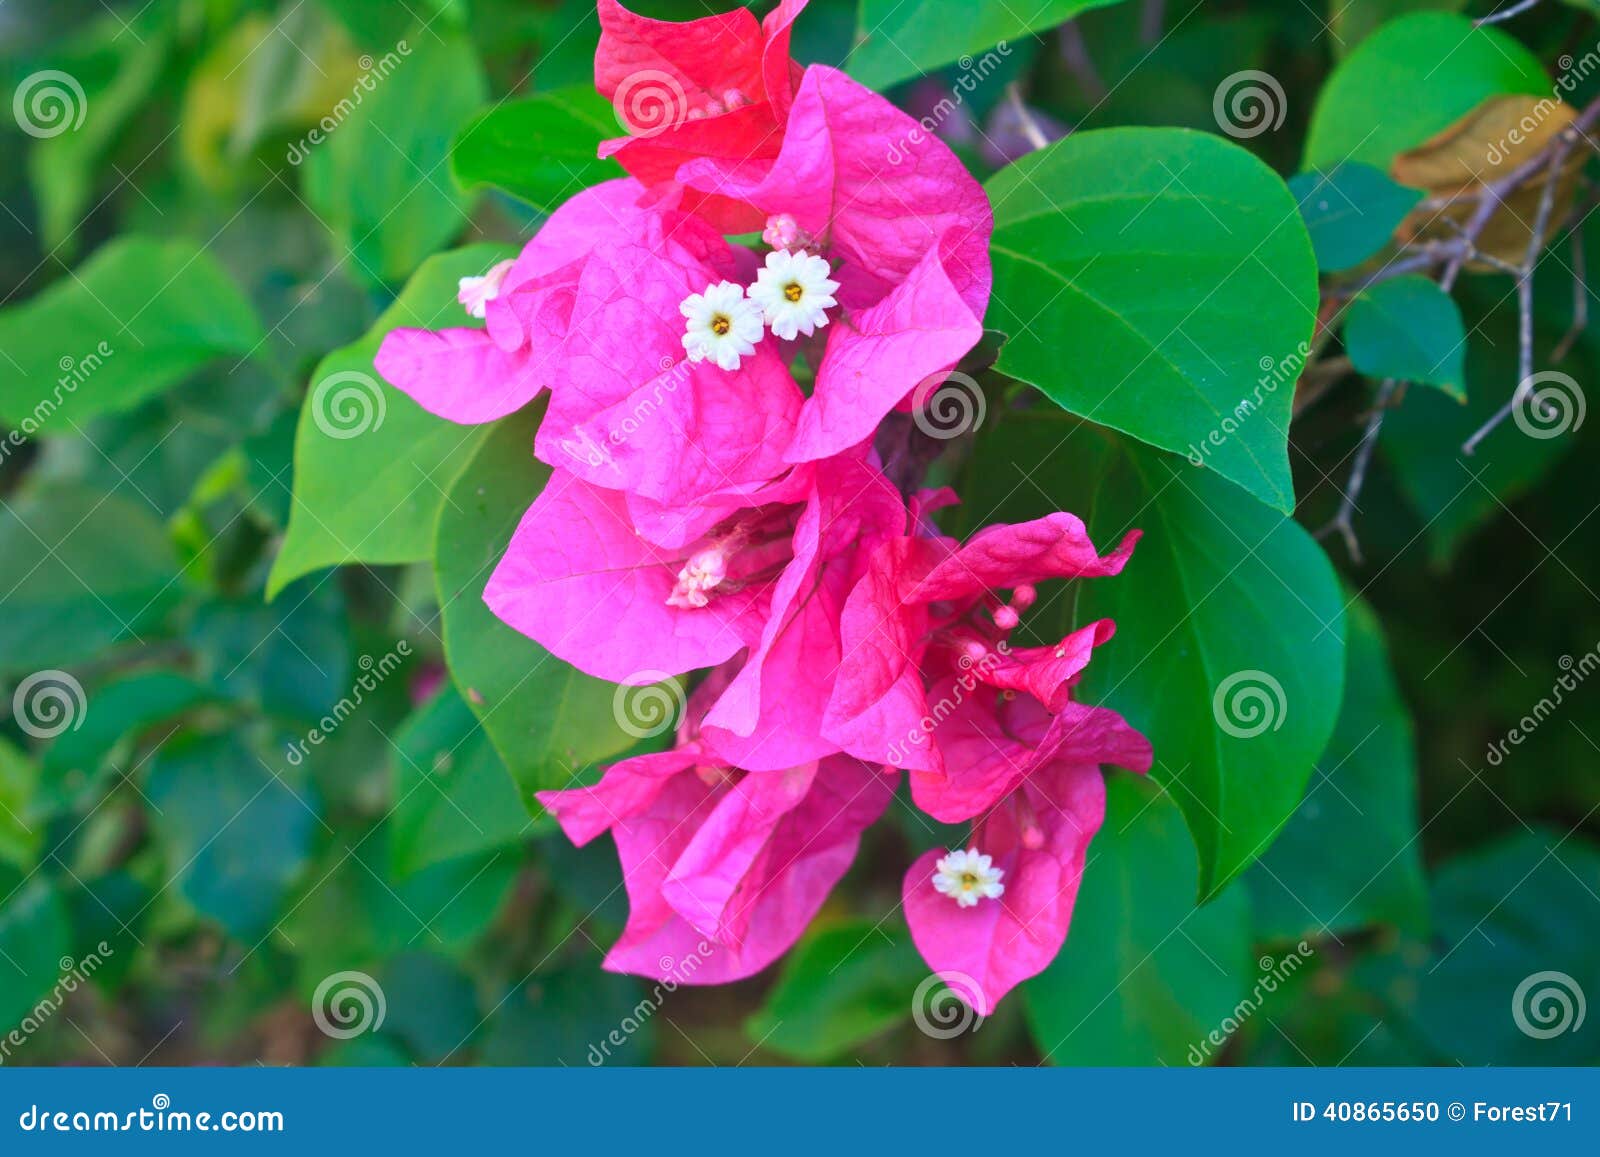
1506 13
1344 521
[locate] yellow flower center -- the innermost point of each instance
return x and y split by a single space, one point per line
721 324
792 291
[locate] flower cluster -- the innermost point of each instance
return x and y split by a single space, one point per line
706 513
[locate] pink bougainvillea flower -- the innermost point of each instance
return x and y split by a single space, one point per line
581 580
770 715
632 410
1036 841
472 375
906 229
926 603
720 86
724 868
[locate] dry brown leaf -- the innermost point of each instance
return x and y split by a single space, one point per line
1488 143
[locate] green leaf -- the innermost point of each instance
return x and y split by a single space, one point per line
839 988
1150 280
34 941
370 465
1352 21
19 841
1144 974
136 319
546 719
430 1004
291 659
1229 648
540 148
236 835
1514 920
899 41
353 912
82 570
1412 78
379 179
1350 211
73 765
1455 493
577 1016
452 794
116 65
1409 329
1351 855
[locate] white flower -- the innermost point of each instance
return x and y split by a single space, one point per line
967 877
723 325
477 292
793 290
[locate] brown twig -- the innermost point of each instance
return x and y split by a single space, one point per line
1580 297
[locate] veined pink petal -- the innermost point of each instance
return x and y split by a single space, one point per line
1039 838
582 584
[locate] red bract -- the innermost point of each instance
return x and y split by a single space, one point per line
717 87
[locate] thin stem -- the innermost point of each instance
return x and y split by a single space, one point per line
1506 14
1025 120
1344 521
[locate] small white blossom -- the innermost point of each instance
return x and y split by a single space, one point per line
967 877
723 325
793 290
477 292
